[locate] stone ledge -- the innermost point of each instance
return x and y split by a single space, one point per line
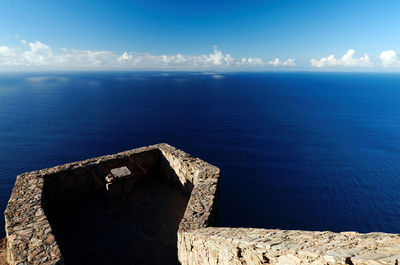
263 246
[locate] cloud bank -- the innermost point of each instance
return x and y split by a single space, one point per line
38 54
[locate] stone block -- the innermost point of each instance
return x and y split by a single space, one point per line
120 172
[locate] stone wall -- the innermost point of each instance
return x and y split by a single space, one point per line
77 182
198 243
201 180
286 247
31 240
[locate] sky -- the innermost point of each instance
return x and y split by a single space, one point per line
318 35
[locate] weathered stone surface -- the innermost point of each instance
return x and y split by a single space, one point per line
261 246
120 172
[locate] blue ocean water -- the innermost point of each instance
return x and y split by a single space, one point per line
314 151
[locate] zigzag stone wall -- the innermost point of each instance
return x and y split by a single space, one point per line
31 240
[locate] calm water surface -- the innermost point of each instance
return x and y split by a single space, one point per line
296 150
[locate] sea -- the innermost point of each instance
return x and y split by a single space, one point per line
309 151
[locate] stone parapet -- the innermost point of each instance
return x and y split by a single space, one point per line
30 239
286 247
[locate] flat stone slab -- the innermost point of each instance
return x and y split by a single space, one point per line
120 172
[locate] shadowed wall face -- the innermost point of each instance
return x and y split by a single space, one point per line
84 183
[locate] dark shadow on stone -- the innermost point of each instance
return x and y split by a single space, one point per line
141 228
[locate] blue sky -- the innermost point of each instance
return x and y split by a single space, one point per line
255 34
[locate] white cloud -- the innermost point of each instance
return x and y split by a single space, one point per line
277 62
39 47
85 58
6 51
124 56
349 60
389 58
325 61
255 61
9 56
251 61
346 60
39 54
216 58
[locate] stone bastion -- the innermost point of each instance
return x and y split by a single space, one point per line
33 239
